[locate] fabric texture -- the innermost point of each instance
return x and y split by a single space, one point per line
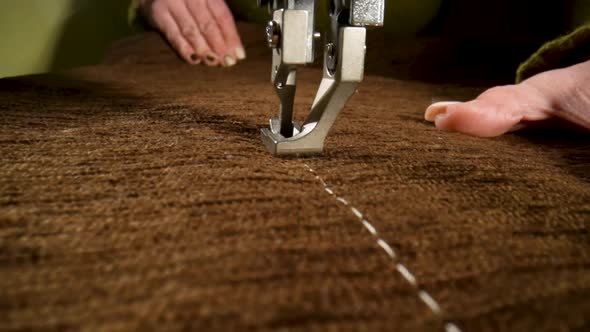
137 195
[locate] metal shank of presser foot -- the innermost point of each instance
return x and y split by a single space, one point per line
291 35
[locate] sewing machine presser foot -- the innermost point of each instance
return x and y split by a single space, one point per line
291 35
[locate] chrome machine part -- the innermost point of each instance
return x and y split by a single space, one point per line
290 34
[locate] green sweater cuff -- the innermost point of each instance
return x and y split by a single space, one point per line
134 17
562 52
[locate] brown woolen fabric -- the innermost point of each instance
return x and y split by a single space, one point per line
137 195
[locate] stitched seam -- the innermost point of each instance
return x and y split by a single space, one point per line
406 274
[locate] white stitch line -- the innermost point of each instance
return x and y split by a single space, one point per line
342 200
430 302
406 273
386 247
450 327
402 269
357 212
369 227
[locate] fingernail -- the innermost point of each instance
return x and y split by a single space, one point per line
229 61
195 59
211 60
240 53
440 117
438 110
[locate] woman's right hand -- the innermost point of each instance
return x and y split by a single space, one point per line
201 31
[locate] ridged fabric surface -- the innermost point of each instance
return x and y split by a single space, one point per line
137 195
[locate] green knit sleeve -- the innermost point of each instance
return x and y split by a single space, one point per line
134 17
559 53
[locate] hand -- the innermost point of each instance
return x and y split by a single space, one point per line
561 93
201 31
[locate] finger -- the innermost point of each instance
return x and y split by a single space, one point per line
190 31
164 21
477 118
227 24
437 108
208 26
